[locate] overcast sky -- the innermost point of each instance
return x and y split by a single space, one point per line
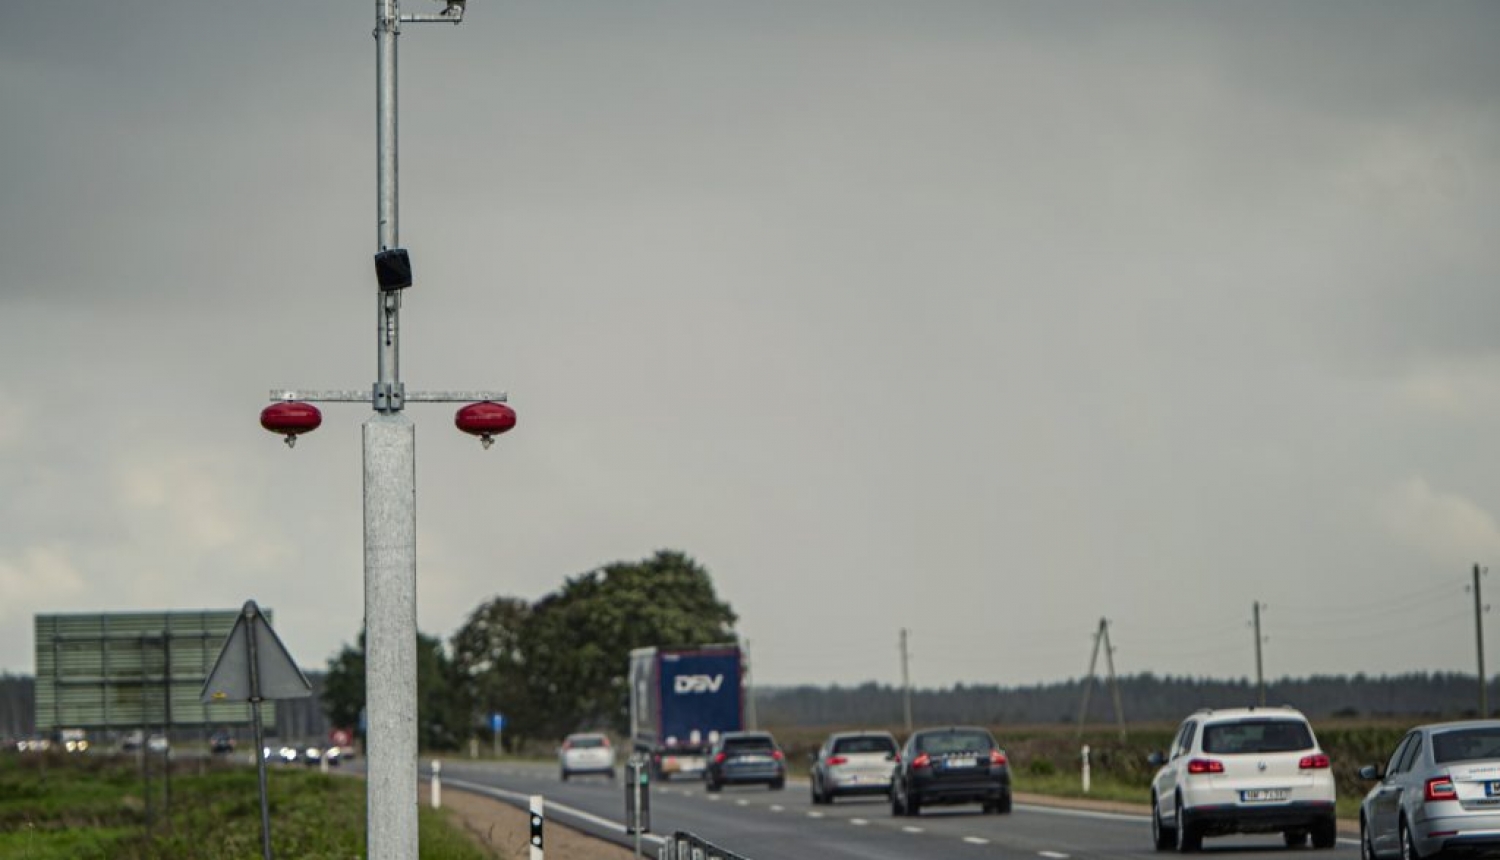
983 319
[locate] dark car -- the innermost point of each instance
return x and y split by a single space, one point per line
221 743
737 758
961 764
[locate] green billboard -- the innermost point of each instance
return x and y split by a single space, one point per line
125 670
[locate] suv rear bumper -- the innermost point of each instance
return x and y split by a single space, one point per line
1233 818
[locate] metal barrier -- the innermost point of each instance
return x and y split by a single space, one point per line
682 845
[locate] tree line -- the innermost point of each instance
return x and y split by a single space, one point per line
1144 698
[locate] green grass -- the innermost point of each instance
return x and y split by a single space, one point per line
54 807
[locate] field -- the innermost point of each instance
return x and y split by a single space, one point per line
75 807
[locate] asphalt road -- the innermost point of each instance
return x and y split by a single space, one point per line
784 825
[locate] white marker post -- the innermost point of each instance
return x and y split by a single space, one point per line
537 820
437 784
1085 768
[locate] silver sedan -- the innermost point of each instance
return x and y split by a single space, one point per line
1439 792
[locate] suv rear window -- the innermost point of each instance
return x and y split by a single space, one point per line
746 744
586 742
1466 745
954 742
1257 736
849 746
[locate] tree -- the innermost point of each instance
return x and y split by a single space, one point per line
577 641
489 667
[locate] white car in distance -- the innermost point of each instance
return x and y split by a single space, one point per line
586 753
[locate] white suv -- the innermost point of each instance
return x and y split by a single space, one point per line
1247 770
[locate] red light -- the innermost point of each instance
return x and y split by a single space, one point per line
778 755
921 761
486 420
289 418
837 760
1205 765
1313 762
606 741
1440 788
997 758
719 759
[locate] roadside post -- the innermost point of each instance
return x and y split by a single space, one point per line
537 819
437 784
1085 768
637 799
254 666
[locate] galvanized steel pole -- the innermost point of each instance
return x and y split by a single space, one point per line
390 514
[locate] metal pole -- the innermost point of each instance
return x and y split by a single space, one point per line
1088 680
1260 676
905 682
750 716
1484 694
1114 682
260 757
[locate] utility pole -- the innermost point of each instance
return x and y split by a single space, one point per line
1260 677
905 682
1114 682
750 715
390 514
1479 607
1101 642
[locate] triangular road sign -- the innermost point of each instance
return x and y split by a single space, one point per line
276 675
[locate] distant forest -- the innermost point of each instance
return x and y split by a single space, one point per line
1145 698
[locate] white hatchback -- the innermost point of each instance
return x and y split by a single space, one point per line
586 753
1248 770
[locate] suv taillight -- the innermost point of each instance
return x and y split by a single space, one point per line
1313 762
921 761
778 755
1440 788
1205 765
837 760
719 759
997 758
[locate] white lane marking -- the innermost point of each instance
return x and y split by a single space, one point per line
909 829
524 800
814 815
742 802
1053 855
975 840
1084 813
858 822
776 807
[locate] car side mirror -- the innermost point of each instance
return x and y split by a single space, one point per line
1156 759
1370 772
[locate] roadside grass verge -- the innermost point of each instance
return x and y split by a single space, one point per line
58 807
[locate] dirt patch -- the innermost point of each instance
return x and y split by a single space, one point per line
505 831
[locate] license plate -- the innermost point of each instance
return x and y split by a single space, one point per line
955 763
754 759
1262 795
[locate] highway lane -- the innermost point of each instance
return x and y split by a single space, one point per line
785 825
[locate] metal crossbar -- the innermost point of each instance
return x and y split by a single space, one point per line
682 845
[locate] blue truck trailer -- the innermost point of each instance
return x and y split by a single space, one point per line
681 700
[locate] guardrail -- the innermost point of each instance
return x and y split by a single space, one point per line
682 845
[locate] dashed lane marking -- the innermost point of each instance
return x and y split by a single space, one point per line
814 815
909 829
776 807
975 840
1052 855
858 822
